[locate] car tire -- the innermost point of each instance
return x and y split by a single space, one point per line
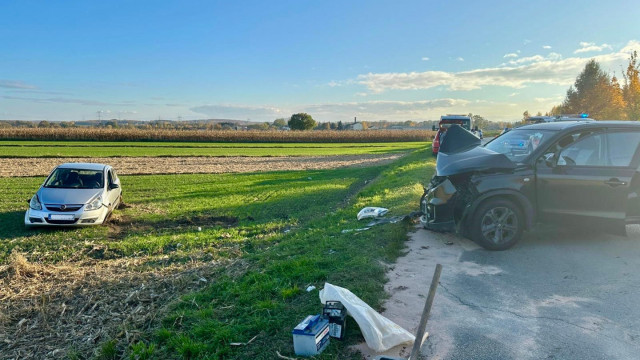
497 224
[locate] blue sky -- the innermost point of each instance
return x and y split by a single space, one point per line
259 60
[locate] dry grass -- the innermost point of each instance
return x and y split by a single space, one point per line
11 167
97 134
69 310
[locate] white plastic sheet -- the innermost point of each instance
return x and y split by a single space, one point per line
380 333
372 212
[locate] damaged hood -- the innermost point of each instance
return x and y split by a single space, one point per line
460 152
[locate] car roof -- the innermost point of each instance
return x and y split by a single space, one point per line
83 166
561 125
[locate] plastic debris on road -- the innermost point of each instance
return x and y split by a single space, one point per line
372 212
380 333
310 288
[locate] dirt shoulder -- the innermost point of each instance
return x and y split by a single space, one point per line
12 167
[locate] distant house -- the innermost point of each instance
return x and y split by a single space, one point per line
354 126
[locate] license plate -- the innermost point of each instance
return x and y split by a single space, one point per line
60 217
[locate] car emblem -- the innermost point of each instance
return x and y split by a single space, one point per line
62 207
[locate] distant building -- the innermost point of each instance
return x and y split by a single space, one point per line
354 126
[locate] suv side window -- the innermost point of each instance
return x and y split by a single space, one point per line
588 150
622 146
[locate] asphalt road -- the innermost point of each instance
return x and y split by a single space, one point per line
558 294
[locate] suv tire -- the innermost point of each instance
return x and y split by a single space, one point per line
497 224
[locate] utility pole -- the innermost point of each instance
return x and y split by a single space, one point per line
99 115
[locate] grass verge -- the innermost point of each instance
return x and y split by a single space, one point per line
10 149
266 300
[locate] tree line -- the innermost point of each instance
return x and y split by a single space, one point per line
601 95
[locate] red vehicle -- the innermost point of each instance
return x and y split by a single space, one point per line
445 122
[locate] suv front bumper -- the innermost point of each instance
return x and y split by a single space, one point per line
437 205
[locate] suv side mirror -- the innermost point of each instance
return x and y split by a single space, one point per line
549 159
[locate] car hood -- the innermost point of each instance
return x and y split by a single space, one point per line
67 196
460 153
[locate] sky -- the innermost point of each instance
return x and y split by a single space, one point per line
262 60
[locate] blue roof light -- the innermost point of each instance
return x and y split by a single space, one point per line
584 115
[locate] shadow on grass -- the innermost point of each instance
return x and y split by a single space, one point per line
12 226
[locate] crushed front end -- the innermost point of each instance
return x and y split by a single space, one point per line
446 201
438 205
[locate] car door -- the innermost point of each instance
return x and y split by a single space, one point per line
112 192
588 181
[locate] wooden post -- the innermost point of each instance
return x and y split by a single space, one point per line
417 344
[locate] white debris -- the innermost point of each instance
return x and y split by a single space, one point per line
310 288
372 212
380 333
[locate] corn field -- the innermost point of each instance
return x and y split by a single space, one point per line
327 136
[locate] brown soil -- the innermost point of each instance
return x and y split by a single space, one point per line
195 165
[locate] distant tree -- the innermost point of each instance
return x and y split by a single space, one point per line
594 93
525 115
480 122
631 88
301 121
539 113
44 124
333 126
340 125
280 122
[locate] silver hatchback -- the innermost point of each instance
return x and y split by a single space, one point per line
75 194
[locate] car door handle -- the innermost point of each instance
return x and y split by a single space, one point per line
615 182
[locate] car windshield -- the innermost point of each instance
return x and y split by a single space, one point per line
517 144
75 179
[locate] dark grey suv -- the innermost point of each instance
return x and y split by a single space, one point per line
574 172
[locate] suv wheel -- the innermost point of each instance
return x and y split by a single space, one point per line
497 224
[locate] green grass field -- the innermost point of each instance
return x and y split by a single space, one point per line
113 149
284 226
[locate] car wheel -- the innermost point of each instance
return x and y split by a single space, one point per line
497 224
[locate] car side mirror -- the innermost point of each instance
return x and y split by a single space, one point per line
549 160
113 186
433 128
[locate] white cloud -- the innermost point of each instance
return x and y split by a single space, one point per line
537 69
460 58
240 112
513 94
12 84
424 58
590 47
546 47
62 100
510 55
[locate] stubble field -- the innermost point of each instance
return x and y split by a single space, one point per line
194 263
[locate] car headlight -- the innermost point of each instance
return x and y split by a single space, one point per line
35 203
94 204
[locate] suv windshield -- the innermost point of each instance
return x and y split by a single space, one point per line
75 179
517 144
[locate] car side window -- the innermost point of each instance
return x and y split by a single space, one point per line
622 147
109 178
587 150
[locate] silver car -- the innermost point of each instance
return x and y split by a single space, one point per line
75 194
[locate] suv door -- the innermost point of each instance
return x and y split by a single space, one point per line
588 180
